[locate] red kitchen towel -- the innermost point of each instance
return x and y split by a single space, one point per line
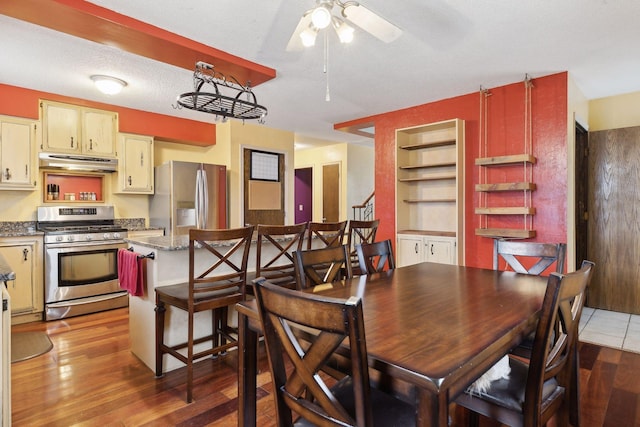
130 273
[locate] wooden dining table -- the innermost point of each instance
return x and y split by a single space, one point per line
436 327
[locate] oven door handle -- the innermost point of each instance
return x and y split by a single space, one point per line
82 301
104 243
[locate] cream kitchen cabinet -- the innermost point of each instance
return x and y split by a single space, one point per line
416 248
78 130
135 165
17 153
24 255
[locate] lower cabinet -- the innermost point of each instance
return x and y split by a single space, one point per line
24 256
415 248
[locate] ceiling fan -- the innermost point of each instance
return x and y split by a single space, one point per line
321 16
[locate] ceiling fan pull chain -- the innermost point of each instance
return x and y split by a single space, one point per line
327 96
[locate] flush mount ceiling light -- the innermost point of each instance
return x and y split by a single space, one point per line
321 16
108 85
226 97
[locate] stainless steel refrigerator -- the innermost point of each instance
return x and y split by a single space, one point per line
189 195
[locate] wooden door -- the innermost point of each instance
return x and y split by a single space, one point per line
614 220
331 193
263 216
582 194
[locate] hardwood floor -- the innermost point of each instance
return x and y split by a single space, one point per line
91 378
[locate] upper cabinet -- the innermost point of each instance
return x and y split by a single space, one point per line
135 165
17 153
430 184
74 129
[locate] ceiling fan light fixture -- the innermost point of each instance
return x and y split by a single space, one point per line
343 30
308 36
321 16
108 85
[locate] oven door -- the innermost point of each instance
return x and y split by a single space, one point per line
83 269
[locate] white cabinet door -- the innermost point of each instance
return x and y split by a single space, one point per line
99 132
410 250
135 172
439 249
24 257
17 139
61 127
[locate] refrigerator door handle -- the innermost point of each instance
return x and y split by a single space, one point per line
202 199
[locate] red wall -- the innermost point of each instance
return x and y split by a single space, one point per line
20 102
505 135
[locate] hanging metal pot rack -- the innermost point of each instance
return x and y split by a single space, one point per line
239 102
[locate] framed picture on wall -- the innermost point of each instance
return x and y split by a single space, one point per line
264 166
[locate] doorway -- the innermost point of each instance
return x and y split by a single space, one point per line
582 194
331 192
303 189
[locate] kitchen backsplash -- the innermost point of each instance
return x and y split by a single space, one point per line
11 227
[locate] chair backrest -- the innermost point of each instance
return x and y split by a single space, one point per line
556 336
361 232
375 257
529 257
328 233
284 240
302 389
318 266
226 265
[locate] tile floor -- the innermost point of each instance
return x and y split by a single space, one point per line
610 329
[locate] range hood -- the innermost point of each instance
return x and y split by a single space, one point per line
77 162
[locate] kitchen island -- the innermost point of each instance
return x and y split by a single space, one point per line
169 266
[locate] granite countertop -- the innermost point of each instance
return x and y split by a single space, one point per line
163 243
6 273
19 229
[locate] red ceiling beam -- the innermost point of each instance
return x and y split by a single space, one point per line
91 22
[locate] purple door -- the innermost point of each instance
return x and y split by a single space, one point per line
303 194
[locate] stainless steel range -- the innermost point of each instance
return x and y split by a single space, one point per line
81 260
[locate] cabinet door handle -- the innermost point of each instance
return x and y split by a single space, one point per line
26 170
141 159
71 142
129 179
7 174
416 248
432 249
25 252
90 144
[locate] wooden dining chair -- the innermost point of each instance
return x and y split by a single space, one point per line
360 232
375 257
326 234
317 266
529 257
217 280
538 388
277 267
305 391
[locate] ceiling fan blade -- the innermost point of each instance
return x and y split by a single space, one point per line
295 42
371 22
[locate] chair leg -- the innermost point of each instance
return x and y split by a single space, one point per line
160 312
190 359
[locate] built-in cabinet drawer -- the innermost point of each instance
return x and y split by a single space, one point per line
416 248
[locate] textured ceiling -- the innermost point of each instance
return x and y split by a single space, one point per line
448 48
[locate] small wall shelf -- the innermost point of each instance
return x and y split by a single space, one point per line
428 178
429 200
506 186
506 211
506 160
505 232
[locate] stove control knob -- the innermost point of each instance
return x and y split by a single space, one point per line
116 235
106 236
70 238
87 237
59 238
